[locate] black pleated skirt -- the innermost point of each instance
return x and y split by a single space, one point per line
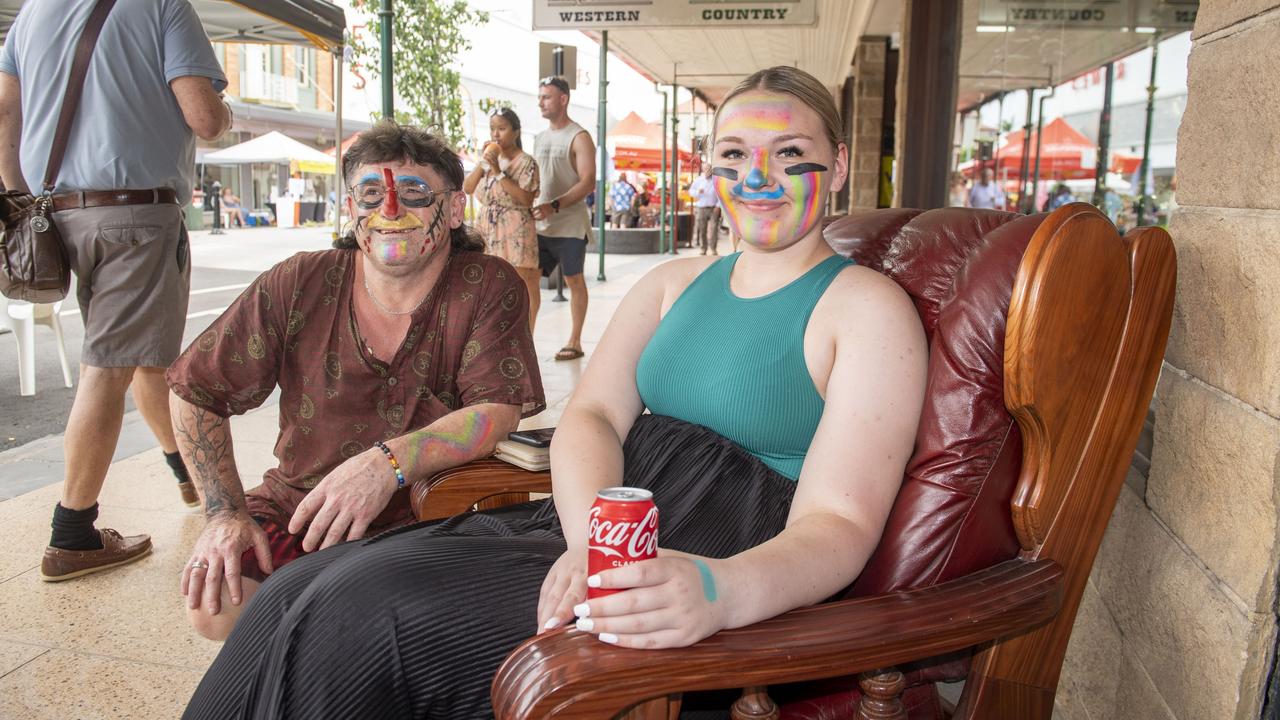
415 622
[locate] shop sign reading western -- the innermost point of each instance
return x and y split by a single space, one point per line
623 14
1162 15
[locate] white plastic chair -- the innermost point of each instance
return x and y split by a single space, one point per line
22 317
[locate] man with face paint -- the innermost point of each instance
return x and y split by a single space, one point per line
402 352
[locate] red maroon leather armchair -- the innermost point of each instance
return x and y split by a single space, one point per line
1046 335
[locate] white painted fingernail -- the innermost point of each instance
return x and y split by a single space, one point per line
609 638
593 581
582 610
553 622
585 624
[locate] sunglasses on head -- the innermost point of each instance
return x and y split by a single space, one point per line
369 195
555 81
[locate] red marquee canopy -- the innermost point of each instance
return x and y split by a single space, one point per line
639 146
1065 154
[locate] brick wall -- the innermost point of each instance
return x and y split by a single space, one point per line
868 114
1178 619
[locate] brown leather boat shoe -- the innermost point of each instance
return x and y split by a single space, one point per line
59 564
189 496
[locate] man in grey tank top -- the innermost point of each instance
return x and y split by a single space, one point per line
153 84
566 162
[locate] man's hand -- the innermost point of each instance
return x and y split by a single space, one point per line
346 501
564 587
543 211
217 556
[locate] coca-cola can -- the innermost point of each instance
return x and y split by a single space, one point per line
622 529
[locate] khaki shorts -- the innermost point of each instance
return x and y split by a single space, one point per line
133 274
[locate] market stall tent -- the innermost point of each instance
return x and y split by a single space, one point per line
637 145
274 148
1065 154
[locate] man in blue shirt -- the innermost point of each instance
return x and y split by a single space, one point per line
622 196
986 194
152 86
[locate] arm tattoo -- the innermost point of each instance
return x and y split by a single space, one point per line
205 440
464 435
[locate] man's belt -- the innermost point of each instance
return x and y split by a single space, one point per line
106 198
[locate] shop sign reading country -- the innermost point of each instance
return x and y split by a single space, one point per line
623 14
1163 15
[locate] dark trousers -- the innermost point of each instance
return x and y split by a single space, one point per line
414 623
706 224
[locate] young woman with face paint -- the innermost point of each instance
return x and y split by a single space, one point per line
811 365
784 386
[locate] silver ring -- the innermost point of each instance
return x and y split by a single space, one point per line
199 565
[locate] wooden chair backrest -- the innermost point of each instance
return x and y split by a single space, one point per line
1087 326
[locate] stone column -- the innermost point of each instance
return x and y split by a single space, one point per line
868 118
1178 619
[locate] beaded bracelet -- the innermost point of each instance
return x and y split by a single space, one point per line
395 464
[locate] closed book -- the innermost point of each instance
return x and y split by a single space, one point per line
526 463
528 453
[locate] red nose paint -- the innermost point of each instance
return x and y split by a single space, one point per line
392 207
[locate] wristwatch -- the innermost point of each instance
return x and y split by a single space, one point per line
555 204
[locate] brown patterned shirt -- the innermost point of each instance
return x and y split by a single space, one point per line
294 327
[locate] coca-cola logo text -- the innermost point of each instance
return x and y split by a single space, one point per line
609 536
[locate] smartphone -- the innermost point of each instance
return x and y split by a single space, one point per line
537 438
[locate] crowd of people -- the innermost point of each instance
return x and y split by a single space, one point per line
986 192
407 349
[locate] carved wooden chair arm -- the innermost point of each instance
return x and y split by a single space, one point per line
569 674
488 483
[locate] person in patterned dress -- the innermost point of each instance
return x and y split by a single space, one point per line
402 352
506 184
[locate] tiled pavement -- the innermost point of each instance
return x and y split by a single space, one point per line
116 644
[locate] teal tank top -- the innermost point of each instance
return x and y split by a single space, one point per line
736 365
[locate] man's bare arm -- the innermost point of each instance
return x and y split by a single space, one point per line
11 133
461 436
204 439
202 108
348 499
583 154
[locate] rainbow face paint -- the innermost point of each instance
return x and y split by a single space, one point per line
772 227
765 207
757 178
768 114
391 233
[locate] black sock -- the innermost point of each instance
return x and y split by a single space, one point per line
73 529
179 468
